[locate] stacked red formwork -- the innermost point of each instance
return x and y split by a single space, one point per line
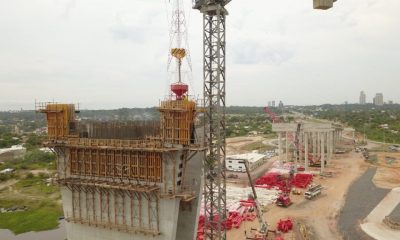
284 225
245 212
271 180
302 180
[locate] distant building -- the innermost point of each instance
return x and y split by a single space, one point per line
390 102
273 103
362 98
378 99
269 103
280 104
234 162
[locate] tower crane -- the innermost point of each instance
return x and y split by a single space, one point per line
214 43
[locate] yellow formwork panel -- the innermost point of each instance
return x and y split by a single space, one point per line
59 119
177 120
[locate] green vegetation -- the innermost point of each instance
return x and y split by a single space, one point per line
34 159
373 159
366 119
6 177
258 146
36 201
27 121
36 185
41 215
242 125
7 140
34 141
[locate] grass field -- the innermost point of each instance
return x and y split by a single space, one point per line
258 146
41 215
40 199
36 185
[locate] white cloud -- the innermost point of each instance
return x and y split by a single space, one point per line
107 54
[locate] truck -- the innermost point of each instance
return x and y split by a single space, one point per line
313 191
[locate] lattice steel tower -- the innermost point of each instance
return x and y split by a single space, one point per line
214 15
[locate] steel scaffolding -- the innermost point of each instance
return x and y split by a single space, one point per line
214 16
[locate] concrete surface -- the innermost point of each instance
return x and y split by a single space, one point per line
362 197
395 214
373 224
189 212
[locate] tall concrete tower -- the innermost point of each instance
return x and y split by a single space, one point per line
128 180
133 180
363 98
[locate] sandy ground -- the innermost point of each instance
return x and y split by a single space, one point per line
388 174
373 224
235 145
320 213
8 183
37 171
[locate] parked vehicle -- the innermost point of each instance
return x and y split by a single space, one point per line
313 191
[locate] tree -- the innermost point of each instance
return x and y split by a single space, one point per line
33 141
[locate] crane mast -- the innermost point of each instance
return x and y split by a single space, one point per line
214 16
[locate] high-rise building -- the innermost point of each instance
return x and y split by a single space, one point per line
362 97
378 100
280 104
273 103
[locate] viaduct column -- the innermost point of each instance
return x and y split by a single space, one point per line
328 147
306 151
287 147
314 144
322 151
280 146
331 145
301 144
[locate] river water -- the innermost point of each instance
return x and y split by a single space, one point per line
55 234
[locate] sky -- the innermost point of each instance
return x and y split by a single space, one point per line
107 54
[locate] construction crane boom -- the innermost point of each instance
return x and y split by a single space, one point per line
263 224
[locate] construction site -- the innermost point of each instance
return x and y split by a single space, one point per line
180 177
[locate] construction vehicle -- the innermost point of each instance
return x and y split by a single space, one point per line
262 232
283 199
296 191
313 191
